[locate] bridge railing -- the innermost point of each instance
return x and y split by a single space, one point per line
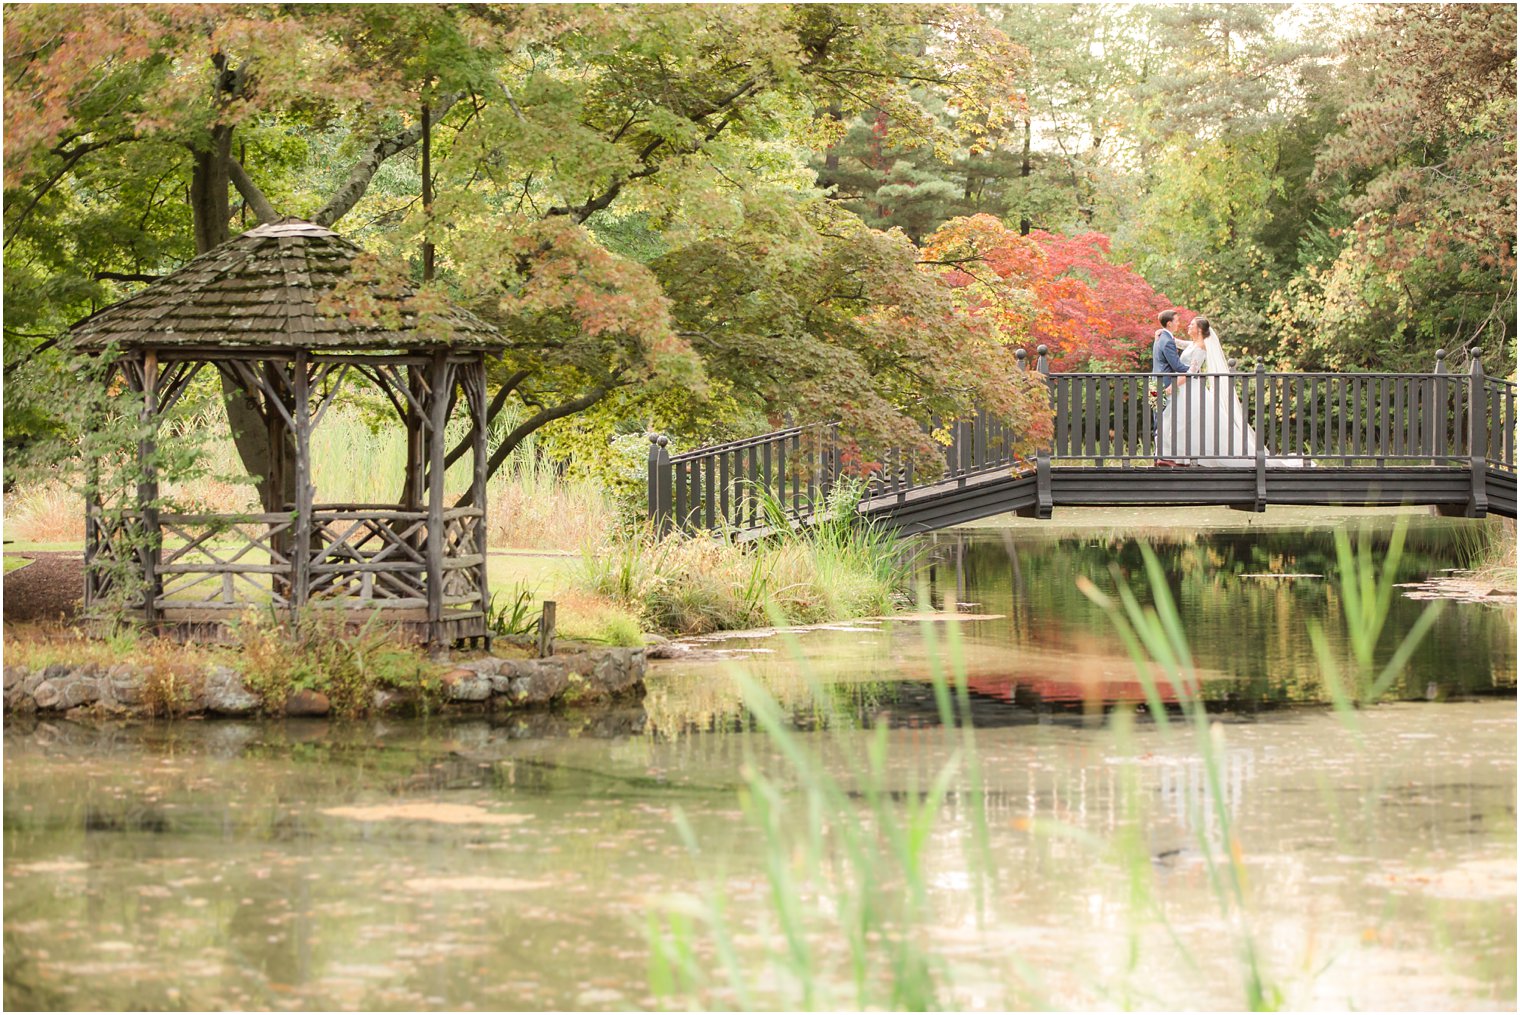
1500 422
1437 419
1329 419
740 485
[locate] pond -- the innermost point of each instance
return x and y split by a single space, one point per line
521 862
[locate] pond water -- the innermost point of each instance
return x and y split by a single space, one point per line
516 862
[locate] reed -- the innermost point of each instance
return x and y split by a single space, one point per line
684 584
1366 594
845 861
1158 647
850 922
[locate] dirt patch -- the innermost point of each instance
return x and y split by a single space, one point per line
49 588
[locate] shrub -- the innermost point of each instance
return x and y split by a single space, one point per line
692 584
318 650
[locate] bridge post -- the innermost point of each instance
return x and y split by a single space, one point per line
1259 403
1440 399
1477 437
1044 500
660 508
1042 364
1021 360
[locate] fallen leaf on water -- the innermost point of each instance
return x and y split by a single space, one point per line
445 814
474 884
51 866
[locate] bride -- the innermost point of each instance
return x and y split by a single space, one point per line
1204 418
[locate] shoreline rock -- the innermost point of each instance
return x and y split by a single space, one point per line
488 684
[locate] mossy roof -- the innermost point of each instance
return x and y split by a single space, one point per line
283 285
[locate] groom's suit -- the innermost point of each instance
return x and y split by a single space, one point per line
1166 361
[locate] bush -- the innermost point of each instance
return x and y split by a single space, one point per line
692 584
319 651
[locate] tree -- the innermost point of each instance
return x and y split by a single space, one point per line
1043 289
1427 162
545 128
1063 167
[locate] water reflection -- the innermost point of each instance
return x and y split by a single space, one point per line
1048 654
230 865
1240 618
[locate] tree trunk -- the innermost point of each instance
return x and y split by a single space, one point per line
208 191
1024 170
250 424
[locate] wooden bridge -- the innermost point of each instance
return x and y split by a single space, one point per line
1440 439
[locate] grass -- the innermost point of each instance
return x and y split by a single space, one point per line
169 674
35 646
685 584
276 657
530 504
318 651
1492 556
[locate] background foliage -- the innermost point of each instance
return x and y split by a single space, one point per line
704 219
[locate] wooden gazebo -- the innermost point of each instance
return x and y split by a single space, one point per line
273 311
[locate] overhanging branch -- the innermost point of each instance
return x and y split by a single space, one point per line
359 177
251 192
538 419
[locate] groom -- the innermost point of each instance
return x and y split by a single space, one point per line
1167 362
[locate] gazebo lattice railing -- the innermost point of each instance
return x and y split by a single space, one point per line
421 561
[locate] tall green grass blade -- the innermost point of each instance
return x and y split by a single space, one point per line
1401 656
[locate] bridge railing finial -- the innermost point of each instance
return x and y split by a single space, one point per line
661 511
1042 364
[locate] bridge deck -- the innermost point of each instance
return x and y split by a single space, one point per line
952 502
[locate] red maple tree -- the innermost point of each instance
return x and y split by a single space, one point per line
1064 292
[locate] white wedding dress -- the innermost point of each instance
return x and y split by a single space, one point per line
1204 422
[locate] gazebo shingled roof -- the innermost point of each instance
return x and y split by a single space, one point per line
262 290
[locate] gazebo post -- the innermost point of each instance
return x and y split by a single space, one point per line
278 480
416 447
475 380
147 484
441 383
300 550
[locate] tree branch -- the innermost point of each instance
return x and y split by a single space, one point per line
497 402
125 276
538 419
251 192
36 351
582 212
353 188
70 156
